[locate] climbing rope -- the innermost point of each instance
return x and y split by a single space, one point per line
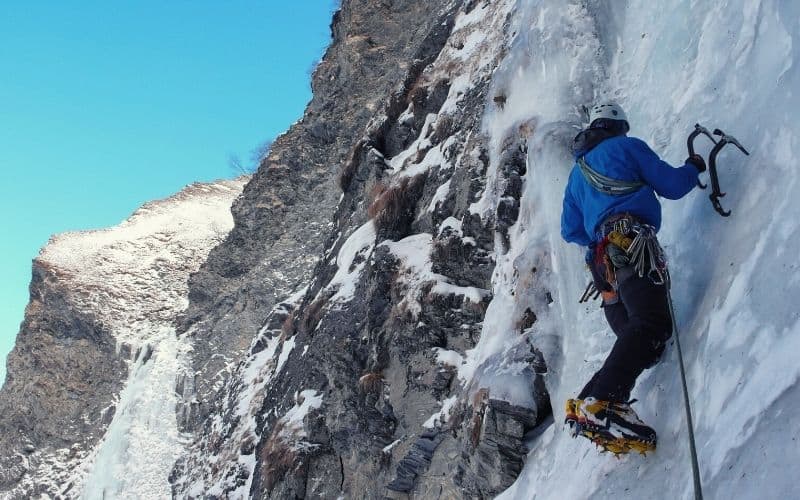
698 489
605 184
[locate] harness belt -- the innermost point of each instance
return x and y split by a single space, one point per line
634 248
627 246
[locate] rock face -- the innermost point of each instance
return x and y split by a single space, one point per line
284 217
329 346
64 369
376 322
378 330
100 301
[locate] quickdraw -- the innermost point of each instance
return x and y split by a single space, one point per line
724 139
646 255
590 293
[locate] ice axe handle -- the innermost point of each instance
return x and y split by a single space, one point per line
698 130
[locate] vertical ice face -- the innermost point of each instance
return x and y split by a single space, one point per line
143 441
670 65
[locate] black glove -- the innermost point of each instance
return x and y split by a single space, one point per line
697 162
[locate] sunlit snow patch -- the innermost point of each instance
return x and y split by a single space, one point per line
440 418
292 430
360 243
414 255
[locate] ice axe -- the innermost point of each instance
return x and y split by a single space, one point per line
724 139
716 193
698 130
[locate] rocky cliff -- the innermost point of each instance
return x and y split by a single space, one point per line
349 385
102 317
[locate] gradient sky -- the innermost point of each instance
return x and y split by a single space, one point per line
106 105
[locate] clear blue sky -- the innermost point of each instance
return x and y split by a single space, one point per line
106 105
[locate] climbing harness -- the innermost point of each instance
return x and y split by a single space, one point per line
627 242
698 487
620 223
626 247
724 139
619 239
606 184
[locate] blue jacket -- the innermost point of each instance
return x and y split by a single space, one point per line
623 158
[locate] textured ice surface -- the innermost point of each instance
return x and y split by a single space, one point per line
670 64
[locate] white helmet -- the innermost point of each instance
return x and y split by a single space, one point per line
608 110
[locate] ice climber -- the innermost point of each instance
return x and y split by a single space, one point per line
610 207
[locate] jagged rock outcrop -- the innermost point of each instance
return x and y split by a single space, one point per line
381 325
283 219
63 376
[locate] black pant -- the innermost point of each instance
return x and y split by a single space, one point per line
642 324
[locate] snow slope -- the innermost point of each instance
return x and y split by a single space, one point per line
670 64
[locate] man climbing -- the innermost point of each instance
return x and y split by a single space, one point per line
610 206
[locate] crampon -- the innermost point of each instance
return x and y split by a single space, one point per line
611 437
618 445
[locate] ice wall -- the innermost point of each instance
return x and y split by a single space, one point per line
670 64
